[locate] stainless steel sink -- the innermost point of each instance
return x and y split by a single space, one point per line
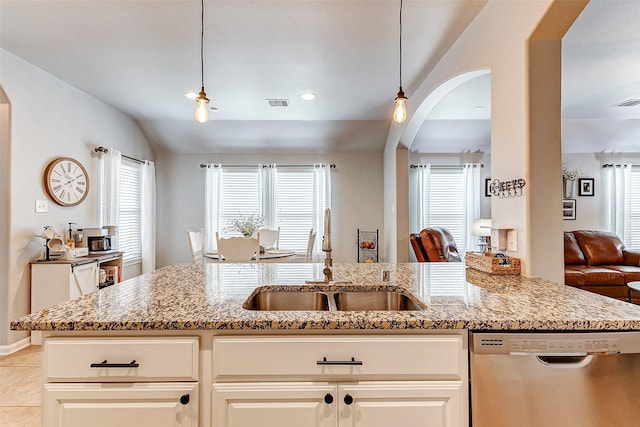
374 301
287 300
341 300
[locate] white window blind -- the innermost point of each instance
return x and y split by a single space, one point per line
130 212
445 202
298 206
632 210
240 195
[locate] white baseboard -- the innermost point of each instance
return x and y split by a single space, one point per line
16 346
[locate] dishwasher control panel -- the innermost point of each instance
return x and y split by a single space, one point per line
539 343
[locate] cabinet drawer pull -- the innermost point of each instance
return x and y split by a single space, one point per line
353 361
106 364
328 398
184 399
348 399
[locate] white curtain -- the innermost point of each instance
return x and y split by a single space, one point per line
148 215
212 205
472 194
617 180
418 189
109 199
267 183
322 192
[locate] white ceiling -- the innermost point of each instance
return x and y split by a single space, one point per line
141 56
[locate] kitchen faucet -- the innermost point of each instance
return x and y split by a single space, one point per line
326 248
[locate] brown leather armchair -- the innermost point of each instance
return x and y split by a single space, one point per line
434 244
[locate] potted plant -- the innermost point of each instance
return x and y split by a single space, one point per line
246 225
569 177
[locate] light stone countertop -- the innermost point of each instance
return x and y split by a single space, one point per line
210 297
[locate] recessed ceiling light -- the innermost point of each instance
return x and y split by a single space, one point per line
308 96
191 95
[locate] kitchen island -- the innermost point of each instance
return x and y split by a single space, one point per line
179 343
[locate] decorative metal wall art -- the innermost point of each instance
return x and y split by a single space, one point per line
504 189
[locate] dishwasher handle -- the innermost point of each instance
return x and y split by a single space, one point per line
565 361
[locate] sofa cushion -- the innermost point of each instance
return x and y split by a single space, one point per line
600 247
573 277
613 291
598 275
631 273
439 245
631 257
572 252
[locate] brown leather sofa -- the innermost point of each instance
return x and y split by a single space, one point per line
597 261
434 244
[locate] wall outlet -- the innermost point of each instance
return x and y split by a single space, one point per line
512 240
42 206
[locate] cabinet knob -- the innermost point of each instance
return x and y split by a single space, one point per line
184 399
328 398
348 399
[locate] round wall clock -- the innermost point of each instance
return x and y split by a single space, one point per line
66 181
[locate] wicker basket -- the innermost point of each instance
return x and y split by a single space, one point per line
492 265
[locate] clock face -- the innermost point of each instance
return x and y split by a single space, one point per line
66 181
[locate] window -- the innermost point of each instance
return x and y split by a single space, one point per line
449 197
292 198
444 202
632 218
129 215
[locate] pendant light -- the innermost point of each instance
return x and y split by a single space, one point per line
400 109
202 111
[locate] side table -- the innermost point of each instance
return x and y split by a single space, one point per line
632 286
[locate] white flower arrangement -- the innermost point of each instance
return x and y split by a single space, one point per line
571 174
247 225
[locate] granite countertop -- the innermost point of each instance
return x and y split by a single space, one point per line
210 297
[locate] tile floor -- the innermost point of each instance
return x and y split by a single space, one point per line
20 388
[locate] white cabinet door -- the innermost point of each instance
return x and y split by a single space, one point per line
122 405
295 404
84 280
402 404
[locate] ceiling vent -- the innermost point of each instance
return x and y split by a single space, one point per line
278 102
629 103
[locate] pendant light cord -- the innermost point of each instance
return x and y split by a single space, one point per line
202 43
400 44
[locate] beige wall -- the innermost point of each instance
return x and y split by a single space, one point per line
49 118
357 197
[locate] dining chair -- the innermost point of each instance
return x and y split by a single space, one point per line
238 249
310 243
268 237
196 243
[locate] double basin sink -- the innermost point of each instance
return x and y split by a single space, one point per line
271 298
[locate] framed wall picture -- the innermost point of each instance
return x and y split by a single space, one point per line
585 186
568 209
487 187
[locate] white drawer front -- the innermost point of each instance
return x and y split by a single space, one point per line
440 357
114 359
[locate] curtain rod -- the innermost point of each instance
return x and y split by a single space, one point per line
445 166
618 165
106 150
211 165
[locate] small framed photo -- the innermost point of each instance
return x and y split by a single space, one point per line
585 186
487 187
568 209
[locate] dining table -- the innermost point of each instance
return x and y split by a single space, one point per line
269 255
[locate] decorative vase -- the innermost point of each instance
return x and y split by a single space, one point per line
568 187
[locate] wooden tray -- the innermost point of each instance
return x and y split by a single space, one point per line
492 265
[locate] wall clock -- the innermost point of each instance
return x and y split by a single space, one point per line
66 181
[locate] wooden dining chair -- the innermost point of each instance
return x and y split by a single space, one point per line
310 243
238 249
268 237
196 244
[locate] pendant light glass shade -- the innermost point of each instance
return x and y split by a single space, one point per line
202 110
400 109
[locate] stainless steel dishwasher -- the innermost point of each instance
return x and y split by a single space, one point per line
589 379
